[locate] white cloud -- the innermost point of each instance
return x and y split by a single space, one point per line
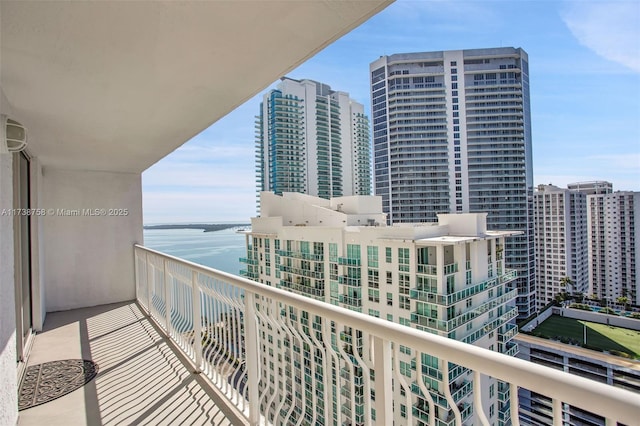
610 29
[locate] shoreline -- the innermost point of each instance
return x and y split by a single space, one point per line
206 227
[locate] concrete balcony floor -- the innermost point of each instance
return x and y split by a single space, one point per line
141 379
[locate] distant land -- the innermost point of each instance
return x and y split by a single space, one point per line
206 227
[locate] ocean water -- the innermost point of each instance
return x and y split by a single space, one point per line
220 249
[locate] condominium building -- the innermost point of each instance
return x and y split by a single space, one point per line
613 240
313 140
595 191
447 277
622 245
560 218
452 134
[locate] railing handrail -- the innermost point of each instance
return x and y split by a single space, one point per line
612 402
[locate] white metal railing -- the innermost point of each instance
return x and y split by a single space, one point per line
277 349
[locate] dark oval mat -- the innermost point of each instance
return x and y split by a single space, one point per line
51 380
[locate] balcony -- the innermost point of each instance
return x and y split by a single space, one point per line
450 299
142 377
147 355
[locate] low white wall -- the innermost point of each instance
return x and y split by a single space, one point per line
8 372
88 259
613 320
542 316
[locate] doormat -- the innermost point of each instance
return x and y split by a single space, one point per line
51 380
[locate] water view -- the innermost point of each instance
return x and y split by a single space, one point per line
220 249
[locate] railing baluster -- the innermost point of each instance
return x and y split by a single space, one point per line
382 366
447 393
513 401
197 321
477 399
252 357
557 412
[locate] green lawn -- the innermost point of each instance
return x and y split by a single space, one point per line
600 336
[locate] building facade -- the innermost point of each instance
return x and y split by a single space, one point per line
452 133
448 278
560 223
622 245
313 140
596 191
613 241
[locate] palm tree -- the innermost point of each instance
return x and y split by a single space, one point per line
567 282
623 300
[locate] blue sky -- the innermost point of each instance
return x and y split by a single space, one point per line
584 61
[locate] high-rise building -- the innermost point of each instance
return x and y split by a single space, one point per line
312 140
622 245
614 241
561 243
448 278
452 134
596 232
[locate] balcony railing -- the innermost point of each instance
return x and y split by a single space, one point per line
217 321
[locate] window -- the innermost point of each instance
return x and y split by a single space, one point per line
373 278
390 299
372 256
388 254
403 259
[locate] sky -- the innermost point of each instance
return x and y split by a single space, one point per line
584 63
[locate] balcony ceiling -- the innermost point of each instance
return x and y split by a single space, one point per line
119 85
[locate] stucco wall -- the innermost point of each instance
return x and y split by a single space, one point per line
89 259
8 372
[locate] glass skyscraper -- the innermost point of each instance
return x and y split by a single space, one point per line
452 134
313 140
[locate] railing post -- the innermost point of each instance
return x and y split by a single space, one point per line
382 365
252 358
557 412
136 272
167 298
477 400
515 413
197 320
149 282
